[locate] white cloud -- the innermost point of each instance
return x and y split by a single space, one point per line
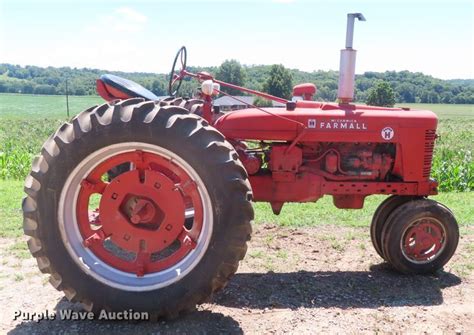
122 19
131 15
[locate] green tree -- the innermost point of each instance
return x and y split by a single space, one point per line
407 86
45 89
79 91
231 72
381 95
158 88
261 102
406 92
280 82
27 88
447 98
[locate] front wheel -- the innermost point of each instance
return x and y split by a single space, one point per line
160 237
380 217
420 236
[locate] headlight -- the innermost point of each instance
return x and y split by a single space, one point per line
208 87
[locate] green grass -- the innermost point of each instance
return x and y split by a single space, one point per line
11 194
26 121
18 277
445 111
39 107
20 250
322 212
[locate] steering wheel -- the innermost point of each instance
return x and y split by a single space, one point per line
175 76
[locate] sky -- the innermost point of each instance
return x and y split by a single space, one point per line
429 36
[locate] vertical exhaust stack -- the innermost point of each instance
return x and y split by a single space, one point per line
345 93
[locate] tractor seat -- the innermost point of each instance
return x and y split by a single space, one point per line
112 87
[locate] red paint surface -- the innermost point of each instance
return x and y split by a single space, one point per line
307 91
353 135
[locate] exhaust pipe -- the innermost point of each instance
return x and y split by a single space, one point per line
345 93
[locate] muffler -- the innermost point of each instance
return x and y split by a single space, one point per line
345 93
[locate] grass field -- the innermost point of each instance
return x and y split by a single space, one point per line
38 107
445 111
26 121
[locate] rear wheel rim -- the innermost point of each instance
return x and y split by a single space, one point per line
153 223
423 240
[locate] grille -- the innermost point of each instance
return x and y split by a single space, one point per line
430 136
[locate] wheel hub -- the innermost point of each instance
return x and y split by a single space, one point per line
142 212
423 240
139 226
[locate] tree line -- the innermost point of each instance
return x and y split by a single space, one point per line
407 86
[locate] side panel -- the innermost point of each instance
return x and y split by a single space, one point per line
411 130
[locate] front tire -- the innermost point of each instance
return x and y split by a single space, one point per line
165 235
380 217
420 237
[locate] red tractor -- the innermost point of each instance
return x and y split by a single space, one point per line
145 203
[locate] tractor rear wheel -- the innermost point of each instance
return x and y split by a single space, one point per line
380 218
420 237
160 237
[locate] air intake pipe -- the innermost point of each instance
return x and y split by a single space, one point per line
345 93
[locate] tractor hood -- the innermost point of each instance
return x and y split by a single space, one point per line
327 123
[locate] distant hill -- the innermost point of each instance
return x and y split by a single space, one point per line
409 87
466 82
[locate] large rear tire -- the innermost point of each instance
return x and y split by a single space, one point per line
166 234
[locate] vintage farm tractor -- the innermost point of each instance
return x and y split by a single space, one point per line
144 202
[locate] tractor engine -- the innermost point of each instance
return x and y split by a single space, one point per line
347 161
333 161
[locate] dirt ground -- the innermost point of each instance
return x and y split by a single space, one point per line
321 279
